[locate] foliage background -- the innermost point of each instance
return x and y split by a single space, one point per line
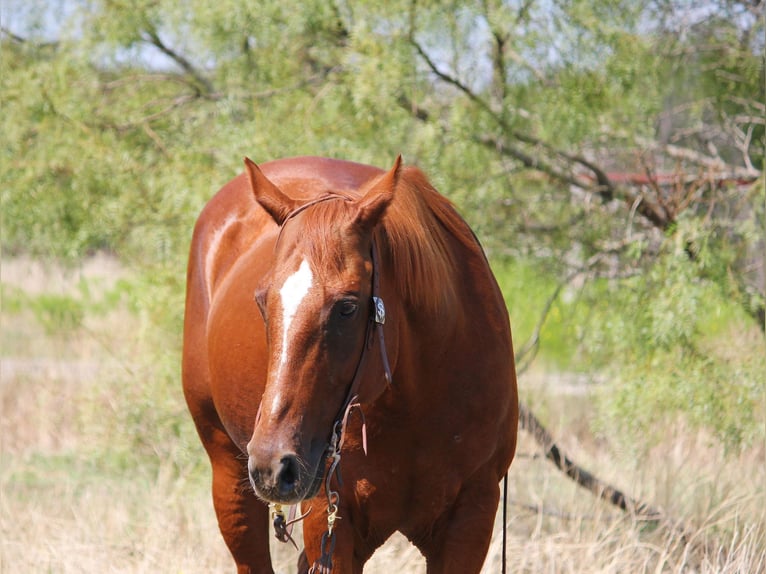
609 154
120 120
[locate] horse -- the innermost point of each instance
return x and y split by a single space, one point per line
347 351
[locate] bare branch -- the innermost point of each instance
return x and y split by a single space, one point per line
182 100
760 106
745 119
521 61
414 108
717 165
204 86
605 186
500 37
177 102
445 77
605 189
503 148
134 79
22 40
553 452
15 37
533 343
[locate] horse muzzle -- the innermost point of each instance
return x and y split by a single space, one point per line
285 478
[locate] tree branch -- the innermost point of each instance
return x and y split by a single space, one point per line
15 37
22 40
204 86
714 163
503 148
644 195
533 343
177 102
605 187
603 490
449 79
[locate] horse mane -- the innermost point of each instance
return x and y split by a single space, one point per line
417 237
416 240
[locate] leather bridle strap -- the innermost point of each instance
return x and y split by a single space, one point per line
379 311
377 316
505 521
323 565
303 207
375 322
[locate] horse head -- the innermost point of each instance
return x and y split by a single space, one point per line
316 304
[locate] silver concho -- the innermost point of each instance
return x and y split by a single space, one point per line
380 310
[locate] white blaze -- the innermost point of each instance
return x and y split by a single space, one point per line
292 293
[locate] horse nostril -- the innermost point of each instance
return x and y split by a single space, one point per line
287 475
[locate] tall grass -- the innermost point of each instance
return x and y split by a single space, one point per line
101 469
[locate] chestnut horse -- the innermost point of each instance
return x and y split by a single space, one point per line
347 350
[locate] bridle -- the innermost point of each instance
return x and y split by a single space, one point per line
377 316
376 320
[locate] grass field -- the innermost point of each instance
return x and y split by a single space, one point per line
101 471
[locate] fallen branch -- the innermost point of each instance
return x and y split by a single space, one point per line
694 546
530 423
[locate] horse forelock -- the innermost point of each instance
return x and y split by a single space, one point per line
319 234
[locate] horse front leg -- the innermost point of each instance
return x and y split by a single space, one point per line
242 518
460 538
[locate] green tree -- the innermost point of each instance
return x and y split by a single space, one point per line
612 141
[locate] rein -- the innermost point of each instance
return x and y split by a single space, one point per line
505 521
282 525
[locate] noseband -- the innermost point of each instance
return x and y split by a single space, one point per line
375 322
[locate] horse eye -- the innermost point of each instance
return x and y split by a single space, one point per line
348 308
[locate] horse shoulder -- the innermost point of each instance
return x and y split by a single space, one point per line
228 224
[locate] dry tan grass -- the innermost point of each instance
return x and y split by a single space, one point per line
91 482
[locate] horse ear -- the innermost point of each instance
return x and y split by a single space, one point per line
374 203
268 195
